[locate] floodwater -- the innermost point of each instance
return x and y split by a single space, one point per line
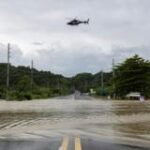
123 122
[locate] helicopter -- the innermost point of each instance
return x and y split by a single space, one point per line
76 22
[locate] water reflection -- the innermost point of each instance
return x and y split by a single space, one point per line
134 119
111 119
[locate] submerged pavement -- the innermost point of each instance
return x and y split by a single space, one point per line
66 143
98 124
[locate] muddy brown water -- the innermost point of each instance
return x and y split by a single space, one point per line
115 121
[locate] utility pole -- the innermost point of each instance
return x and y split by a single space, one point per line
113 70
102 81
8 71
59 82
32 74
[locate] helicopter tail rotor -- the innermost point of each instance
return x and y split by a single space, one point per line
88 21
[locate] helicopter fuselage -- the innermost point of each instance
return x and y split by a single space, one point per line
76 22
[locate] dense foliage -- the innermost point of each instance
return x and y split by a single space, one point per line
86 81
46 84
133 75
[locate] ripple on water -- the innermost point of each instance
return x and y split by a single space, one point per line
104 117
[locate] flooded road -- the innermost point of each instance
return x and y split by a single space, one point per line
120 122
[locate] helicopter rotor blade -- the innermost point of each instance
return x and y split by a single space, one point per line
68 18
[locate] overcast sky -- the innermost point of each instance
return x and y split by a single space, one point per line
37 30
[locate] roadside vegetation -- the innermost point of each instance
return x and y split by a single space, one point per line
133 75
43 84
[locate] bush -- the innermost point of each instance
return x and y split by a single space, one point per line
103 92
2 93
23 96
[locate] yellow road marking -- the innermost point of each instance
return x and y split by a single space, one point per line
78 144
65 142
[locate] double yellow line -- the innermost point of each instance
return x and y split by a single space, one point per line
78 144
65 144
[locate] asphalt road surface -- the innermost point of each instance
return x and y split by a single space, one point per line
66 144
74 123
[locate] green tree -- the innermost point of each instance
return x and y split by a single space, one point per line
83 82
133 75
24 88
24 84
45 83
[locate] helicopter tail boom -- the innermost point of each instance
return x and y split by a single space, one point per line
86 22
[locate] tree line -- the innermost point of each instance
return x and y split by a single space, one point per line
44 84
23 85
132 75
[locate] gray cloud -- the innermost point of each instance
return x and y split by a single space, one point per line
85 60
16 55
118 28
69 63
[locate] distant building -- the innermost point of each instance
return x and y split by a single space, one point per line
92 91
134 95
